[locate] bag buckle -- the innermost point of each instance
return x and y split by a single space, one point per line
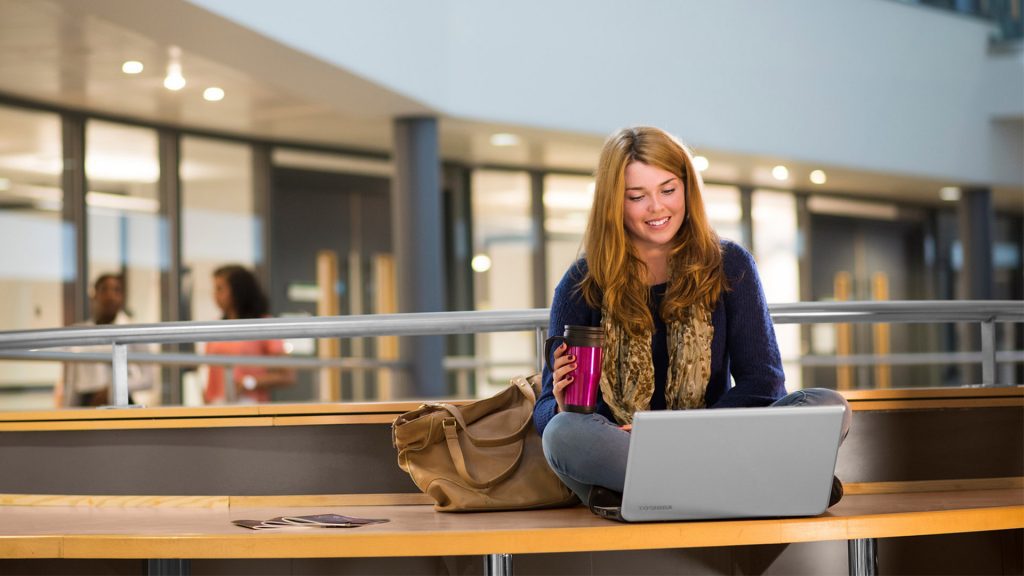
449 424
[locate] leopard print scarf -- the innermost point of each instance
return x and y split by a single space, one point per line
627 370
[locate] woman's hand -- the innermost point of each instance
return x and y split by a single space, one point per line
562 375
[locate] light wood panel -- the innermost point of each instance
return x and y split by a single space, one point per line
334 419
304 500
31 547
298 500
933 404
925 393
163 423
417 498
419 531
102 501
385 412
1011 483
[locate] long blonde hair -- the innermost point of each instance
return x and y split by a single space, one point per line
616 278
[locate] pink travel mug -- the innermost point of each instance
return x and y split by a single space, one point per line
584 344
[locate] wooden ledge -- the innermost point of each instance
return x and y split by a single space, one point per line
419 531
211 502
417 498
385 412
933 398
207 416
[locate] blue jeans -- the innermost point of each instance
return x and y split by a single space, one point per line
587 450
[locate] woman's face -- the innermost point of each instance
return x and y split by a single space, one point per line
654 206
222 295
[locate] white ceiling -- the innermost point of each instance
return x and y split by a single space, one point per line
69 53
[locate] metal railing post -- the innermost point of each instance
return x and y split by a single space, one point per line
230 392
120 367
541 336
988 353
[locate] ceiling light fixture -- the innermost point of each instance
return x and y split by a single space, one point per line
132 67
481 263
504 139
949 193
780 173
174 80
818 177
700 163
213 94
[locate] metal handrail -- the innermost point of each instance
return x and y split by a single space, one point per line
985 312
473 322
455 363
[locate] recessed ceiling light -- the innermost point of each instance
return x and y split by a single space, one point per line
213 94
481 263
700 163
949 193
780 173
504 139
132 67
174 80
818 177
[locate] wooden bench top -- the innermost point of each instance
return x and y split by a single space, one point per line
90 532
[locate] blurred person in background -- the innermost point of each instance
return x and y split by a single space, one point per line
90 383
239 296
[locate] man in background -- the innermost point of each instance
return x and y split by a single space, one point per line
91 383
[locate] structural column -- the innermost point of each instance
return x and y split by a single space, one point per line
976 220
538 240
976 270
416 231
171 304
75 256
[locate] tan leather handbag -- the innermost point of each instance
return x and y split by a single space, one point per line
482 456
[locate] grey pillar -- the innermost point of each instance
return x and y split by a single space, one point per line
976 220
538 240
747 217
977 271
419 263
803 254
74 253
170 273
262 176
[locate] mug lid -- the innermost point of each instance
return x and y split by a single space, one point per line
584 330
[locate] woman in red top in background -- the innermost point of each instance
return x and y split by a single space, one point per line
238 295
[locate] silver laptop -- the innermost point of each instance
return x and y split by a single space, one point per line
731 463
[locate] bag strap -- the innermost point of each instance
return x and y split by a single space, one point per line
523 387
451 437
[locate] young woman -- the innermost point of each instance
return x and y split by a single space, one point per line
238 295
681 311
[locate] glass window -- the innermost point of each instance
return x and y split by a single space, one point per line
722 204
122 172
567 203
775 249
218 226
503 270
218 220
31 237
125 232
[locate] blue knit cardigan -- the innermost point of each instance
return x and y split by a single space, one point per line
744 342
